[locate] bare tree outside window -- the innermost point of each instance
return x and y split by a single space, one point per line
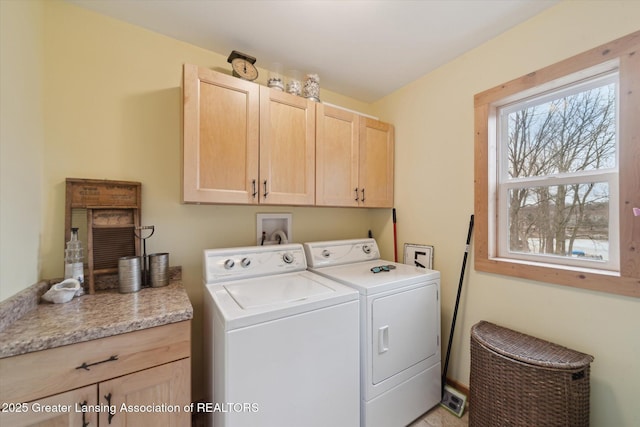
556 147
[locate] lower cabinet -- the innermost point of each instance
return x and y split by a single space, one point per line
153 397
59 410
133 379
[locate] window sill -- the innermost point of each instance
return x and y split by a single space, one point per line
591 279
571 268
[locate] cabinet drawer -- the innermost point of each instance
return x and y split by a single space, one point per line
43 373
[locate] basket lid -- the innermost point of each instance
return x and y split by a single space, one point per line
528 349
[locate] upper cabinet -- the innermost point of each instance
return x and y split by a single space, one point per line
249 144
221 137
337 157
354 159
376 163
245 143
287 148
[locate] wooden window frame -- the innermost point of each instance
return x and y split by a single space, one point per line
626 51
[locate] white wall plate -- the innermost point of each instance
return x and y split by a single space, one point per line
277 228
418 255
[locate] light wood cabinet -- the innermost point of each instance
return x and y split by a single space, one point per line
244 143
337 157
221 138
63 409
287 148
354 159
249 144
376 163
146 367
153 397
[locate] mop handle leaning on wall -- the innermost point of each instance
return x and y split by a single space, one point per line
455 310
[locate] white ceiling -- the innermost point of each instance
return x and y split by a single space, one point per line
364 49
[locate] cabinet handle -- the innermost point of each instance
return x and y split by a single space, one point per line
363 195
86 365
356 190
265 189
111 413
85 423
253 183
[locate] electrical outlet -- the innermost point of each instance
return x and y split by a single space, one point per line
453 400
418 255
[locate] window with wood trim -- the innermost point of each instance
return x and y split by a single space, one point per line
557 172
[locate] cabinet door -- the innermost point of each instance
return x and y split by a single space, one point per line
221 131
336 157
63 410
287 148
376 163
153 397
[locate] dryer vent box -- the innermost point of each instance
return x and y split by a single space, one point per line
273 229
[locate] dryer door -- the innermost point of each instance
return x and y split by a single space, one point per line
404 330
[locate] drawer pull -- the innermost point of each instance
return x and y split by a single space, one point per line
111 414
86 365
85 423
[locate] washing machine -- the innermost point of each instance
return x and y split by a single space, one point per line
281 343
399 328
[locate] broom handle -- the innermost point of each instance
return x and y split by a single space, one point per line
455 311
395 238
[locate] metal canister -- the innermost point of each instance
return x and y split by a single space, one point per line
159 269
129 276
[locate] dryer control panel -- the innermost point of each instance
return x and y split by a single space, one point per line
245 262
338 252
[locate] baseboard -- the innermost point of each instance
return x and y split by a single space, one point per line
458 386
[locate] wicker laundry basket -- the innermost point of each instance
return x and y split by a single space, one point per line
520 380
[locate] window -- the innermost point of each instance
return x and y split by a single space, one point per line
557 175
557 166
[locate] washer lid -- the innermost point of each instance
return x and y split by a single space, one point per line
260 299
275 290
359 275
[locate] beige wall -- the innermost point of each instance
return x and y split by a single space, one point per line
21 144
434 199
112 103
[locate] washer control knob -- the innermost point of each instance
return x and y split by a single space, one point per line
228 264
326 253
287 257
245 262
366 249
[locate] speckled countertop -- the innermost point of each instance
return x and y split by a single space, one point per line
89 317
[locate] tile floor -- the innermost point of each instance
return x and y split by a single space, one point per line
440 417
436 417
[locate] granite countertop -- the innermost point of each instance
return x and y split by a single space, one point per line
89 317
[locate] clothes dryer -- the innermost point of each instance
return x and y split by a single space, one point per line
281 342
399 329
